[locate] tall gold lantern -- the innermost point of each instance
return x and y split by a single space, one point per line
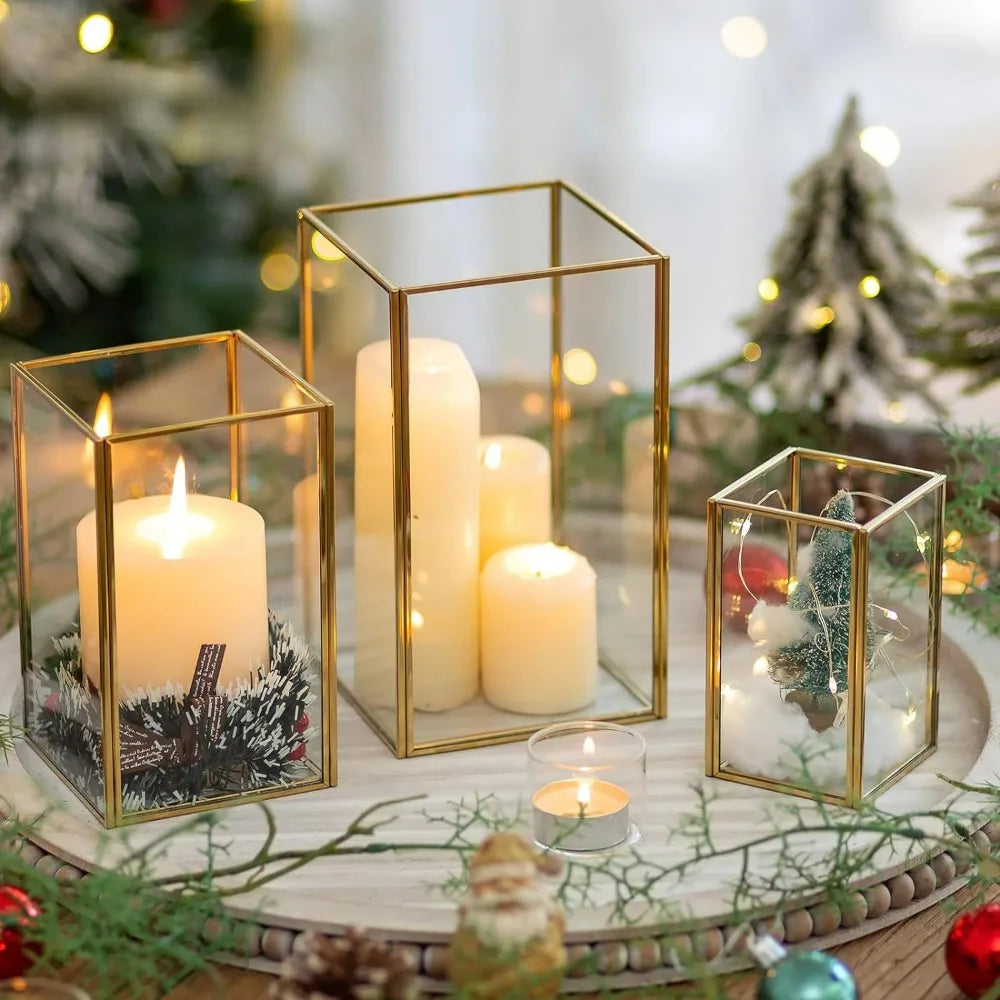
502 538
175 575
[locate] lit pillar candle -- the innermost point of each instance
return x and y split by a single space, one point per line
443 473
189 570
539 630
515 493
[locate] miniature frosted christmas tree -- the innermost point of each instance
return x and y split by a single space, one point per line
972 324
848 296
813 667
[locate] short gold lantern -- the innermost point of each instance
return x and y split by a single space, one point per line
175 568
824 618
502 538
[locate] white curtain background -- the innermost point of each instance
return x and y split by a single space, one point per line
640 104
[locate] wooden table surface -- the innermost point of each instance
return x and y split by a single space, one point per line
902 962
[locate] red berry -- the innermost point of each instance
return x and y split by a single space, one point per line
52 702
298 753
303 724
15 956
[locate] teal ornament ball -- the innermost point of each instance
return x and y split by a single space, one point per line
808 975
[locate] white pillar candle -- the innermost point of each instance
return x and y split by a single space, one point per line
443 471
515 493
189 570
539 630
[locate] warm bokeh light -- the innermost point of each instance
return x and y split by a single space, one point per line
325 249
942 277
880 143
533 403
751 351
417 619
744 37
492 455
728 691
768 289
761 666
278 271
953 540
869 286
579 366
823 316
4 10
617 387
894 411
5 296
95 32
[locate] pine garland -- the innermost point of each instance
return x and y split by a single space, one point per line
261 744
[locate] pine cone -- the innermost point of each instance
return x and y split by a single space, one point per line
347 968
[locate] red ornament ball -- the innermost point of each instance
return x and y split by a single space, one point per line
764 578
17 910
972 952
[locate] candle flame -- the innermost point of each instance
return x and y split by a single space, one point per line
175 535
102 416
588 746
102 428
583 795
492 455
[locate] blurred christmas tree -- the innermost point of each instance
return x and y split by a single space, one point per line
847 299
971 334
133 207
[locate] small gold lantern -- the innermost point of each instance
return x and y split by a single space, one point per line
176 572
824 618
502 540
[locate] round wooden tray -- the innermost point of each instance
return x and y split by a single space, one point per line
399 897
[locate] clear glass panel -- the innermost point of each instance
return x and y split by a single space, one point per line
872 490
779 719
901 657
62 709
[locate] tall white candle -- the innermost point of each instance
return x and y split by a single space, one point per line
444 525
515 493
539 630
189 570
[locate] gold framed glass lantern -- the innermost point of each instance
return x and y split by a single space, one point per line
824 616
502 538
176 573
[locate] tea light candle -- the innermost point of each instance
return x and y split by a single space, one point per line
581 814
188 570
538 605
515 493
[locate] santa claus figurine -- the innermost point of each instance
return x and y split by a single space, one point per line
509 941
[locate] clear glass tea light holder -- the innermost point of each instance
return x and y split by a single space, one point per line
587 787
823 578
499 362
175 565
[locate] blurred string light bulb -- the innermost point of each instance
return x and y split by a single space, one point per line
744 37
95 33
5 295
768 289
278 271
4 10
869 286
880 143
579 366
325 249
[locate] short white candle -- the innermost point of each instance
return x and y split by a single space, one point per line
189 570
581 814
539 630
515 493
443 473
